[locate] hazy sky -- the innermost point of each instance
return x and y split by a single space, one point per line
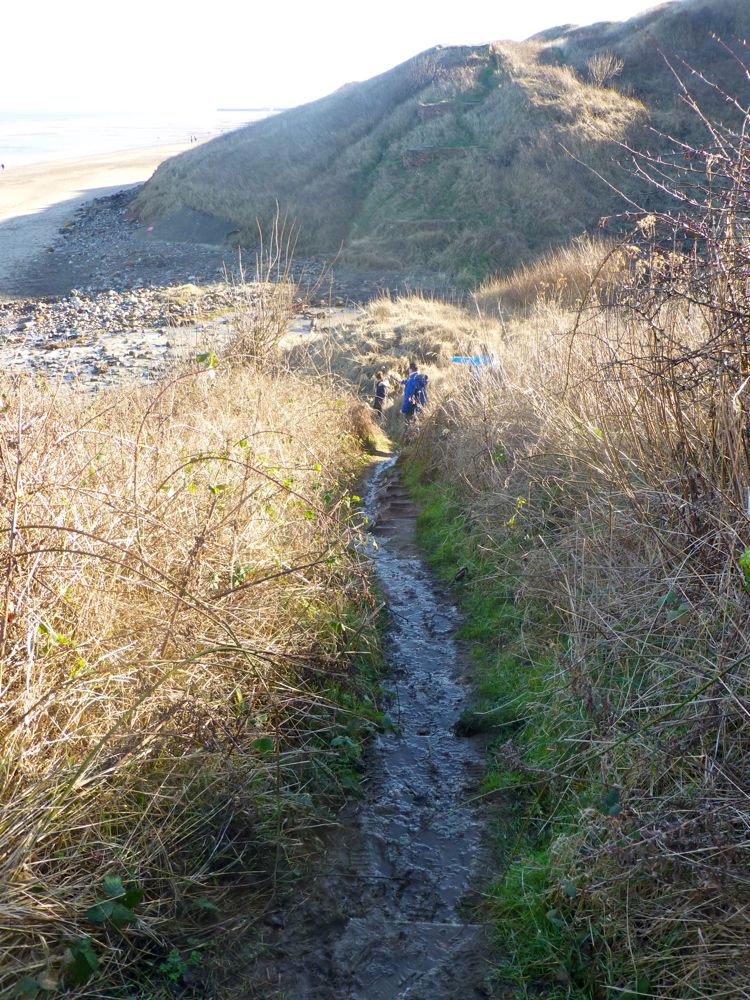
101 54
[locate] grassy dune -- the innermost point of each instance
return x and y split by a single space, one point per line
683 31
464 161
184 632
452 161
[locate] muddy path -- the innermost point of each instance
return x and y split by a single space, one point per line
389 915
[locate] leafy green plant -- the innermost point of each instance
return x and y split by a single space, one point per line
82 961
674 609
26 988
118 906
208 358
176 964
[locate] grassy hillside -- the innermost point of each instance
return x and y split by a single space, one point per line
682 31
453 160
464 160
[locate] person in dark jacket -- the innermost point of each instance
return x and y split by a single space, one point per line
415 392
381 392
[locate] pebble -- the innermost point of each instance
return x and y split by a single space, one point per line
103 247
91 338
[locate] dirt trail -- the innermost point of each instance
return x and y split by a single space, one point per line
388 916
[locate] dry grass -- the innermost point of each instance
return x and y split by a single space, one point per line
388 332
584 272
385 335
635 483
631 468
176 580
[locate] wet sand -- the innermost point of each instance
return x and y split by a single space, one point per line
36 200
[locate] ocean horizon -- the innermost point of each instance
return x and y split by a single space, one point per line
28 137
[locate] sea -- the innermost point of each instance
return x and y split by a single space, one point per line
38 136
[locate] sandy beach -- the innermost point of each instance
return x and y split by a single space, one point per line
36 200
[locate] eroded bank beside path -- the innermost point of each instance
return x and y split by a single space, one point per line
390 912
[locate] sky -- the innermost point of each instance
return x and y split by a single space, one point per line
80 55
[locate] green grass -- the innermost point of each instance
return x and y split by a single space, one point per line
510 672
540 787
543 950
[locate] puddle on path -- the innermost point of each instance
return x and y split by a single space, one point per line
383 920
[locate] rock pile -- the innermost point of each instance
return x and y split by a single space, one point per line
109 301
110 336
101 248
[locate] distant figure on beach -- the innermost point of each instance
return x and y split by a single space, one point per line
381 392
415 392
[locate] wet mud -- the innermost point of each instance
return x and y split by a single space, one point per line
392 914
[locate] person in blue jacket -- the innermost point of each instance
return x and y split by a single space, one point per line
415 392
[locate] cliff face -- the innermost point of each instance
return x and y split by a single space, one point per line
465 160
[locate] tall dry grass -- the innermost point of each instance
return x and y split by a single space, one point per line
585 272
177 576
385 335
605 461
614 470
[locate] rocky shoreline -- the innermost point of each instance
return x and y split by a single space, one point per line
113 336
103 248
106 301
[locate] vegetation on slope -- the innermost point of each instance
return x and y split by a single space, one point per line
463 160
605 592
684 31
183 638
452 161
590 487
